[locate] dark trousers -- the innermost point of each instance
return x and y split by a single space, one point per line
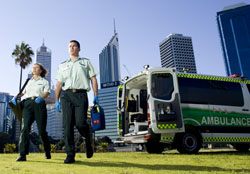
74 108
33 111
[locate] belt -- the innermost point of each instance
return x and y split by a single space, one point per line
77 90
31 98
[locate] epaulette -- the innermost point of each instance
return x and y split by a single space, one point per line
82 58
63 62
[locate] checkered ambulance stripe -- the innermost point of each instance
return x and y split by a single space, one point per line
226 139
225 79
166 126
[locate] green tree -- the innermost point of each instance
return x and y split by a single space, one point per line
102 147
41 147
104 139
9 148
22 55
53 148
78 141
60 144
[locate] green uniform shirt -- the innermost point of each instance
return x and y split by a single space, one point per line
76 75
36 88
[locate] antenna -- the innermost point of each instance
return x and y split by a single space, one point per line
114 27
127 70
43 41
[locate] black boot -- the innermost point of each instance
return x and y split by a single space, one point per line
47 155
69 159
89 144
21 158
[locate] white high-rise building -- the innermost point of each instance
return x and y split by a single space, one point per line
177 51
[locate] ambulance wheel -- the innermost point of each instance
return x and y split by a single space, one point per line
242 147
154 147
188 143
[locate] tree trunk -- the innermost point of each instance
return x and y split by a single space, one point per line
21 74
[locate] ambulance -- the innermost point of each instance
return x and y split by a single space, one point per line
161 108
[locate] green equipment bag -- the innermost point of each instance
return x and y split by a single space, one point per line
18 108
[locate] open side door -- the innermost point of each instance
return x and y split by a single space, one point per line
120 111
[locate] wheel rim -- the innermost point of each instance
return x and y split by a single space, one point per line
190 142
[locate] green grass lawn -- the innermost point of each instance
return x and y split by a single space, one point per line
130 162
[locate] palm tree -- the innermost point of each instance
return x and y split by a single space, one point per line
22 55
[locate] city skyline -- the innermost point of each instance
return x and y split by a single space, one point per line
140 32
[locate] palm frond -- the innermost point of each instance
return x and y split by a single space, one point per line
23 55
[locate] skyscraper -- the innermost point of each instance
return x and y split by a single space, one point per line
234 28
8 121
109 62
4 108
177 51
43 56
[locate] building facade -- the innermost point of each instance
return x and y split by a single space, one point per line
177 51
110 77
234 29
8 122
54 123
43 56
108 101
109 63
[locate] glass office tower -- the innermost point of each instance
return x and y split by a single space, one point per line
109 63
43 56
8 121
234 29
108 100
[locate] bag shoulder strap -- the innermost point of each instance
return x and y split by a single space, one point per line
26 82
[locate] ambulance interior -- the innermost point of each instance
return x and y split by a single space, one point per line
136 105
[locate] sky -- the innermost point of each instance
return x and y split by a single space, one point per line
140 24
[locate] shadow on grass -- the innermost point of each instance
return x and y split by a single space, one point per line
157 167
225 152
212 153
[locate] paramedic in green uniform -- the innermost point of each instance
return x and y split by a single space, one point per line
34 109
73 79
